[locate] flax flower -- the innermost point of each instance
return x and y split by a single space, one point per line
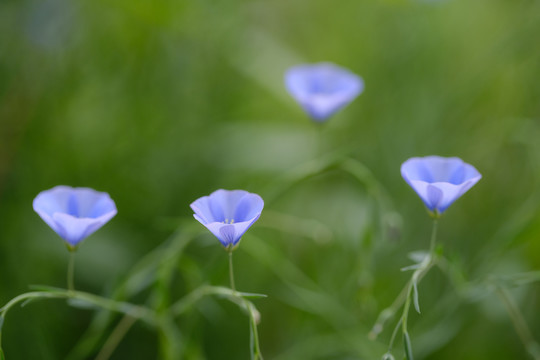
228 214
439 181
323 88
74 213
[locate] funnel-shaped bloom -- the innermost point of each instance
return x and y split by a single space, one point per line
439 181
228 213
74 213
323 88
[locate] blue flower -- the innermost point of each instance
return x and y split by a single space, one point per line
323 88
439 181
228 213
74 213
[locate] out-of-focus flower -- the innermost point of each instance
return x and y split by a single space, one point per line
322 88
74 213
228 214
439 181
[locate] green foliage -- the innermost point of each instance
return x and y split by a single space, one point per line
407 345
160 103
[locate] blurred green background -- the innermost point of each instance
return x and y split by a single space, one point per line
159 103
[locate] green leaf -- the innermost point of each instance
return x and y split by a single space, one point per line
26 302
252 295
411 267
2 357
415 297
223 291
417 256
407 345
81 304
46 288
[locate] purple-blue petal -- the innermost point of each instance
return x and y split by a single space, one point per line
434 196
74 230
248 207
219 206
228 213
242 227
322 89
214 228
439 181
227 234
74 213
202 210
224 203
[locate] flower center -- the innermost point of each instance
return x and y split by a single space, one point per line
228 221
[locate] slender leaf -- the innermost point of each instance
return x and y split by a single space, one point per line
407 345
415 297
411 267
417 256
252 295
82 304
28 301
46 288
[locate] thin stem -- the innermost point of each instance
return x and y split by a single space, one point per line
231 271
394 334
405 315
71 270
422 270
252 312
253 320
30 296
406 295
189 300
169 336
116 336
519 322
388 313
239 298
433 238
137 311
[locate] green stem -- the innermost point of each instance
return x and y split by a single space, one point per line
71 270
405 315
169 336
253 319
30 296
433 238
426 264
116 336
1 351
388 313
394 334
189 300
519 322
231 271
406 295
136 311
234 296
